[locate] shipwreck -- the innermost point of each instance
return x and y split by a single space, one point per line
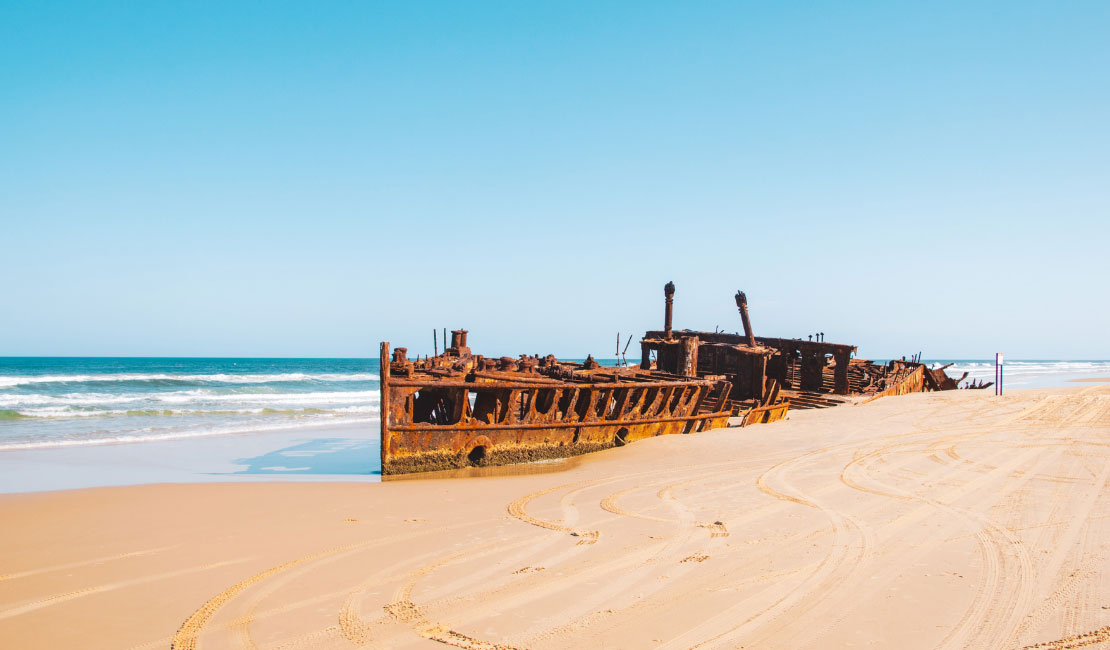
457 409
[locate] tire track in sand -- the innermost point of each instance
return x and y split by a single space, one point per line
77 565
186 636
998 546
639 566
403 610
241 624
1069 542
627 566
844 554
57 599
630 566
852 546
1099 636
999 549
518 508
357 630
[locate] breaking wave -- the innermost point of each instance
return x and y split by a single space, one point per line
58 402
72 412
187 397
10 381
1028 374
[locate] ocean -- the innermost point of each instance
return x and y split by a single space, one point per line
1027 374
67 402
86 422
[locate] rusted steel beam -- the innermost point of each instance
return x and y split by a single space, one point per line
721 402
688 356
937 379
742 305
668 292
483 385
449 448
549 425
488 378
842 360
906 381
766 414
799 345
384 406
773 389
813 362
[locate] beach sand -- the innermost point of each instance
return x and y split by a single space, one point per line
943 520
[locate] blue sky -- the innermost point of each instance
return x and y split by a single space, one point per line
256 179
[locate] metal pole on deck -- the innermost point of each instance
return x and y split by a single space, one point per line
742 306
668 310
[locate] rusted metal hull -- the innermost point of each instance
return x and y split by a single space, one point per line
457 409
438 417
766 414
421 450
812 373
910 380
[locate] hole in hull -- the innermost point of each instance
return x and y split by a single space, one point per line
621 439
477 456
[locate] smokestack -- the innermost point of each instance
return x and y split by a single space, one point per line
742 305
668 291
458 344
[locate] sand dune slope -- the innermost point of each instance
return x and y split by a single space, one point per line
941 521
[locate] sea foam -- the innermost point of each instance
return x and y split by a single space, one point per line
10 381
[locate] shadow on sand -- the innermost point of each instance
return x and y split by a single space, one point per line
330 456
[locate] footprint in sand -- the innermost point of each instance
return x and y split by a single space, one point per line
717 529
528 569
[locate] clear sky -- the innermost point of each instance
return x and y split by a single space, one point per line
256 179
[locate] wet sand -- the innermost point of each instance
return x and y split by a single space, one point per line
339 452
1093 380
947 520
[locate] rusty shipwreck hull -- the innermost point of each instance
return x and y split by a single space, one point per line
903 378
772 412
770 374
456 410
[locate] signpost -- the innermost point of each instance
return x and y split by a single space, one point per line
998 363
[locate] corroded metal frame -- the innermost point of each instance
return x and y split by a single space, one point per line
494 417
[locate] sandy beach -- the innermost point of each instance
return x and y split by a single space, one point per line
940 520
